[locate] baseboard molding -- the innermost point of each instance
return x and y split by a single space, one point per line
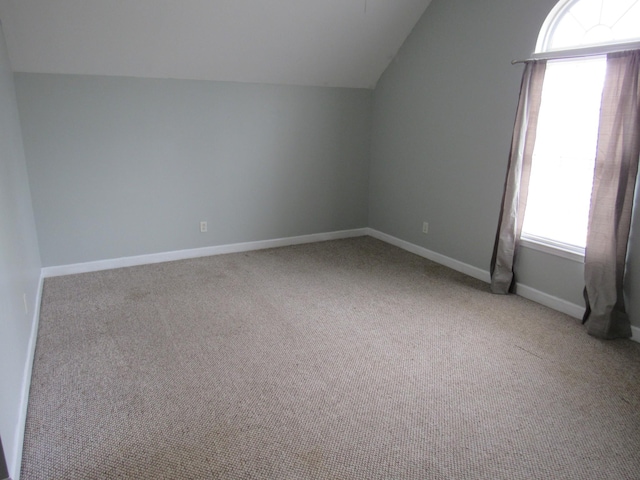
197 252
16 460
524 291
457 265
571 309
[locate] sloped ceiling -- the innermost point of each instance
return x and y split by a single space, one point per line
338 43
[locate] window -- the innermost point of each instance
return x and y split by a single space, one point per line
563 158
588 23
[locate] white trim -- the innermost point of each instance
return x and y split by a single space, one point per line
552 248
550 22
457 265
591 51
550 25
16 461
582 52
98 265
556 303
525 291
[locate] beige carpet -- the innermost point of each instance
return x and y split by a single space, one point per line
348 359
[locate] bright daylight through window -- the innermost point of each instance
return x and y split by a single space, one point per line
563 158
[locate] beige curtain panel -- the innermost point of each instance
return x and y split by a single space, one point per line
514 199
612 197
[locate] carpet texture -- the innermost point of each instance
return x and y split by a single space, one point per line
348 359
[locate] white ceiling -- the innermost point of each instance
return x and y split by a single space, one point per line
337 43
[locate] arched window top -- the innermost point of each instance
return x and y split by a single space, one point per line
586 23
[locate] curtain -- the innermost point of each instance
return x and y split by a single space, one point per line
4 472
612 197
514 198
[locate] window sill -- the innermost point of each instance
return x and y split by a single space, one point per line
543 245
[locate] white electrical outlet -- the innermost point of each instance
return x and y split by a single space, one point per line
425 227
203 227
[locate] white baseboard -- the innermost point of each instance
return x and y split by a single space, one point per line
525 291
16 460
571 309
457 265
197 252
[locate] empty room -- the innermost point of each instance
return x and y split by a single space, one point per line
337 239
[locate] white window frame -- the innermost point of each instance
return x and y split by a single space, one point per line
549 27
543 52
547 245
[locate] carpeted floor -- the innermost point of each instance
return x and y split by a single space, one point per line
347 359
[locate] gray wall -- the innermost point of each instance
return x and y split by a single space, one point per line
19 264
123 166
632 279
442 120
443 117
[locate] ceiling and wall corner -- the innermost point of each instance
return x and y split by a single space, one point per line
334 43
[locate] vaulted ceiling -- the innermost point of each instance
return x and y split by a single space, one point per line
337 43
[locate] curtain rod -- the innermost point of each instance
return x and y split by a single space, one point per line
581 52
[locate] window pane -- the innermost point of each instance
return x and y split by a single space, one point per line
629 25
593 22
566 33
564 153
587 12
612 12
